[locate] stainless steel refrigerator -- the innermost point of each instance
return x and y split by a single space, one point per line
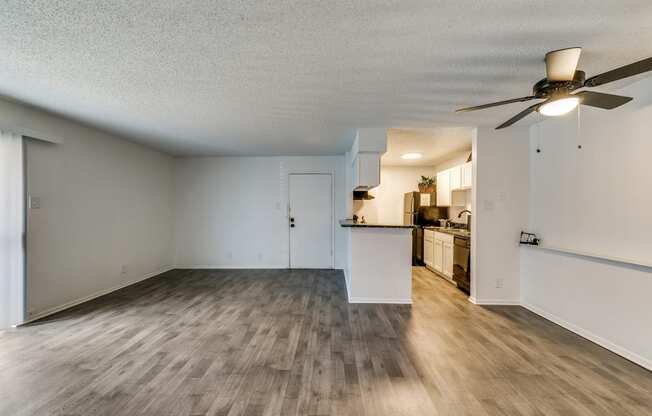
411 205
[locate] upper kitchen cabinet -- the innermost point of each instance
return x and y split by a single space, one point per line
467 175
368 146
366 171
457 178
444 189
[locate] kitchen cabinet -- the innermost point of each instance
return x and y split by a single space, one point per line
428 247
442 254
451 182
467 175
366 171
443 189
455 178
438 256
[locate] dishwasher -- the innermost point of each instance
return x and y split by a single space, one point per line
462 263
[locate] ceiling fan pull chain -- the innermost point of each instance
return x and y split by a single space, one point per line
579 128
538 128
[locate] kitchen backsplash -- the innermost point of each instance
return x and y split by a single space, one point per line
453 212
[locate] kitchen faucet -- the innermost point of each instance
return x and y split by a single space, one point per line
468 219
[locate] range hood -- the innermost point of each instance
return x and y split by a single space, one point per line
362 195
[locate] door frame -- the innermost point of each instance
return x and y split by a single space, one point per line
287 212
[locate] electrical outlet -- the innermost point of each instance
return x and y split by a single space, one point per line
260 256
229 255
499 283
123 269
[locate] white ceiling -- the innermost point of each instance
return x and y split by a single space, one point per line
435 144
288 77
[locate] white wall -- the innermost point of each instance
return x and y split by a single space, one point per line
12 230
595 200
232 211
105 202
387 205
500 188
348 210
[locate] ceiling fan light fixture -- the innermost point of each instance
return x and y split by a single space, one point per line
558 88
559 107
411 156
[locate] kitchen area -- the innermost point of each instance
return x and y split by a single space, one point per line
440 244
423 203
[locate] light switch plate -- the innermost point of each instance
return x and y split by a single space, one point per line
34 202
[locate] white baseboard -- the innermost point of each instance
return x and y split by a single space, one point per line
636 358
233 267
488 302
226 267
67 305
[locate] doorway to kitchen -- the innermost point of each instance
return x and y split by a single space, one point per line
427 182
310 220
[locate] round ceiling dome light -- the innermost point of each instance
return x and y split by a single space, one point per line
412 156
559 107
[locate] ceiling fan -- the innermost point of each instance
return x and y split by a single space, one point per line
562 78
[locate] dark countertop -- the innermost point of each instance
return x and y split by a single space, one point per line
350 223
453 231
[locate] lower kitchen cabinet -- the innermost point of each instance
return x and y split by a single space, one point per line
438 253
438 256
428 247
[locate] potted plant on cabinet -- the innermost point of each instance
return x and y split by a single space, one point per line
427 184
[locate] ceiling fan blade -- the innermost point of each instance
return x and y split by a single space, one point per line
480 107
619 73
561 64
601 100
520 115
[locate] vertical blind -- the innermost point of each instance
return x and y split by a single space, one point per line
12 229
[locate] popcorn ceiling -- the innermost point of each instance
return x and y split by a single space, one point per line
288 77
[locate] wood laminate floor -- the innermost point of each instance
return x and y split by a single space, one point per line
279 342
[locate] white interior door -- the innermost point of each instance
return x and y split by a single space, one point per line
311 221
